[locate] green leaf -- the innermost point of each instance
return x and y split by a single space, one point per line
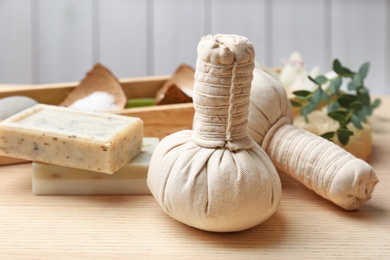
343 138
356 105
317 96
363 91
376 103
363 71
295 103
302 93
346 100
364 98
356 121
367 110
342 71
321 79
338 81
362 116
328 135
335 85
353 107
343 135
357 80
307 109
353 86
324 96
333 106
337 67
339 116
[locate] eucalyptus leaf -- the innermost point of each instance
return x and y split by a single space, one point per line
334 90
337 67
295 103
343 135
364 98
342 138
346 100
328 135
342 71
356 105
338 81
335 85
307 109
302 93
333 106
339 117
353 107
356 121
357 80
352 86
317 95
376 103
362 116
367 110
362 91
345 131
321 79
363 71
324 96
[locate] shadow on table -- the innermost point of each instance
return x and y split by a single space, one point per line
266 235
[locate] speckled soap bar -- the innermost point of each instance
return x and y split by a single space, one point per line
49 179
98 142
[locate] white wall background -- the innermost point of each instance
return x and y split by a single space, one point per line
47 41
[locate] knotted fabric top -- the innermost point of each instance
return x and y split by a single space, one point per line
224 72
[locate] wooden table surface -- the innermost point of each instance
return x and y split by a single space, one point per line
119 227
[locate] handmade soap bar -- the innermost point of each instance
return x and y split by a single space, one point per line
99 142
48 179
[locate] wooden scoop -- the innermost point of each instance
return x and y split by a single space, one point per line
98 79
178 89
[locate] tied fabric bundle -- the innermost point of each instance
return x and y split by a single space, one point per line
322 166
215 177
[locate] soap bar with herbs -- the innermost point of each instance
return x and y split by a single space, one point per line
48 179
99 142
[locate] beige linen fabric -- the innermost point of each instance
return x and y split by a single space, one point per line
320 165
216 177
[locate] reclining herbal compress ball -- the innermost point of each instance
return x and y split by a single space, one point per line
215 177
320 165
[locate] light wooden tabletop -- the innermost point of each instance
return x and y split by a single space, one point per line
119 227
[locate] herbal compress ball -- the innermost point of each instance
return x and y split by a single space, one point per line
320 165
216 177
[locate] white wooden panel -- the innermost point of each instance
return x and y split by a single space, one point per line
359 35
15 42
246 18
65 40
122 37
299 26
177 29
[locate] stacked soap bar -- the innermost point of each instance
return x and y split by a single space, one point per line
62 136
60 180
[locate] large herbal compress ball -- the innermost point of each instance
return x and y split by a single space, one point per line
215 177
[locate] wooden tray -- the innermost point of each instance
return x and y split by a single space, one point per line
159 121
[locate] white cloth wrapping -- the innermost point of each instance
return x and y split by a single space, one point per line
215 177
320 165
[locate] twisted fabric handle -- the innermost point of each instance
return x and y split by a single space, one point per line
221 102
321 166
